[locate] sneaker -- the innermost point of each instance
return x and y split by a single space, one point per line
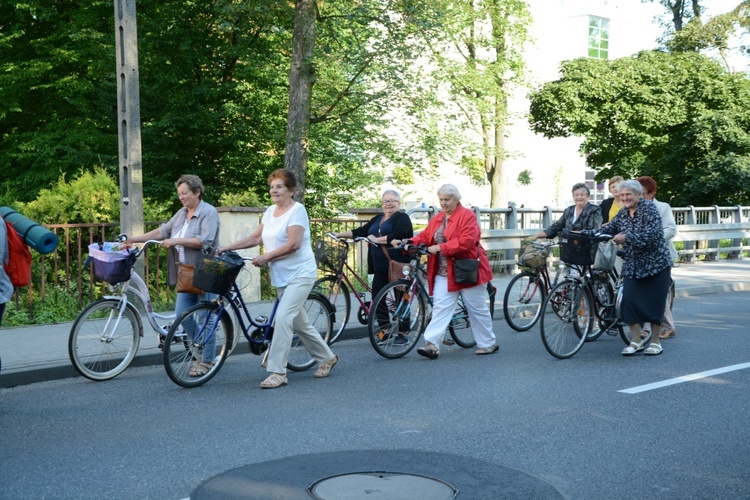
400 340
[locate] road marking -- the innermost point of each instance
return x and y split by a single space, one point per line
685 378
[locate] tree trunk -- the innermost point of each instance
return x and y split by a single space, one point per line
498 182
301 78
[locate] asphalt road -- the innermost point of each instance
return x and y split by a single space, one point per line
562 423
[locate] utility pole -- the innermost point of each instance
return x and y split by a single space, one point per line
128 119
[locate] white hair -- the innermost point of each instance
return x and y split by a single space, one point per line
450 190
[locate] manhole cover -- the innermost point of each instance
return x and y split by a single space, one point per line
374 485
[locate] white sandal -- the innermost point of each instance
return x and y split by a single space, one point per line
654 349
634 347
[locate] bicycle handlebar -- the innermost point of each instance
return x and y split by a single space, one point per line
593 234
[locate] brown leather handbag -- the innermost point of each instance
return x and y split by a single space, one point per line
185 280
395 268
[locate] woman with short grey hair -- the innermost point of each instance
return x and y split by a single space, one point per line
580 215
647 269
451 235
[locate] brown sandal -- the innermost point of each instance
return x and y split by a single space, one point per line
666 334
325 369
200 369
273 381
488 350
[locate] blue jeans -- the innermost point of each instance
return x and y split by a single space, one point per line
184 302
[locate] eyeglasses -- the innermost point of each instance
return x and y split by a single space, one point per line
390 202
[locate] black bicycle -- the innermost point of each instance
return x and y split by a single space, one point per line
399 313
585 304
208 325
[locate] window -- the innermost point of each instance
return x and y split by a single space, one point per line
598 37
596 188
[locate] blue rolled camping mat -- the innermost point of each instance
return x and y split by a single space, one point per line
35 235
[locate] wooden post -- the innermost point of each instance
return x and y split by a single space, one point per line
128 119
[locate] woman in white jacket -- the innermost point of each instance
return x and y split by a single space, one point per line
670 230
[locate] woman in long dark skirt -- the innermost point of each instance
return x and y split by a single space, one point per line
637 227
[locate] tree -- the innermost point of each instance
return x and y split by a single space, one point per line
476 48
57 93
680 118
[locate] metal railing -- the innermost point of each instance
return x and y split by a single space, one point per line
701 231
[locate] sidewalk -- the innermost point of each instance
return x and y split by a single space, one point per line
37 353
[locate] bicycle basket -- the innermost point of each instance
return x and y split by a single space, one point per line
532 256
216 273
112 267
576 249
330 255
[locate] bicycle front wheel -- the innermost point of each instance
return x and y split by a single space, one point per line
103 341
523 300
337 293
460 326
319 315
197 344
567 317
398 317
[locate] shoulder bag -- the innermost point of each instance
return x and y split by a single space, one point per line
395 268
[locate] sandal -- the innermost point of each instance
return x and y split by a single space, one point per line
634 347
666 334
653 350
428 351
325 369
273 381
488 350
200 369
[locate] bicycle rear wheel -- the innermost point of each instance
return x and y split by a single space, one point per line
567 317
523 300
460 326
197 345
397 319
337 294
319 315
103 341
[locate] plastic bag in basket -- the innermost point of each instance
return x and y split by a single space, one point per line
216 273
110 266
606 254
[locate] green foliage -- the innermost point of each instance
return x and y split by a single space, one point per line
244 199
92 196
57 93
524 177
474 167
680 118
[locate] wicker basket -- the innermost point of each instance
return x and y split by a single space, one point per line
215 274
330 255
